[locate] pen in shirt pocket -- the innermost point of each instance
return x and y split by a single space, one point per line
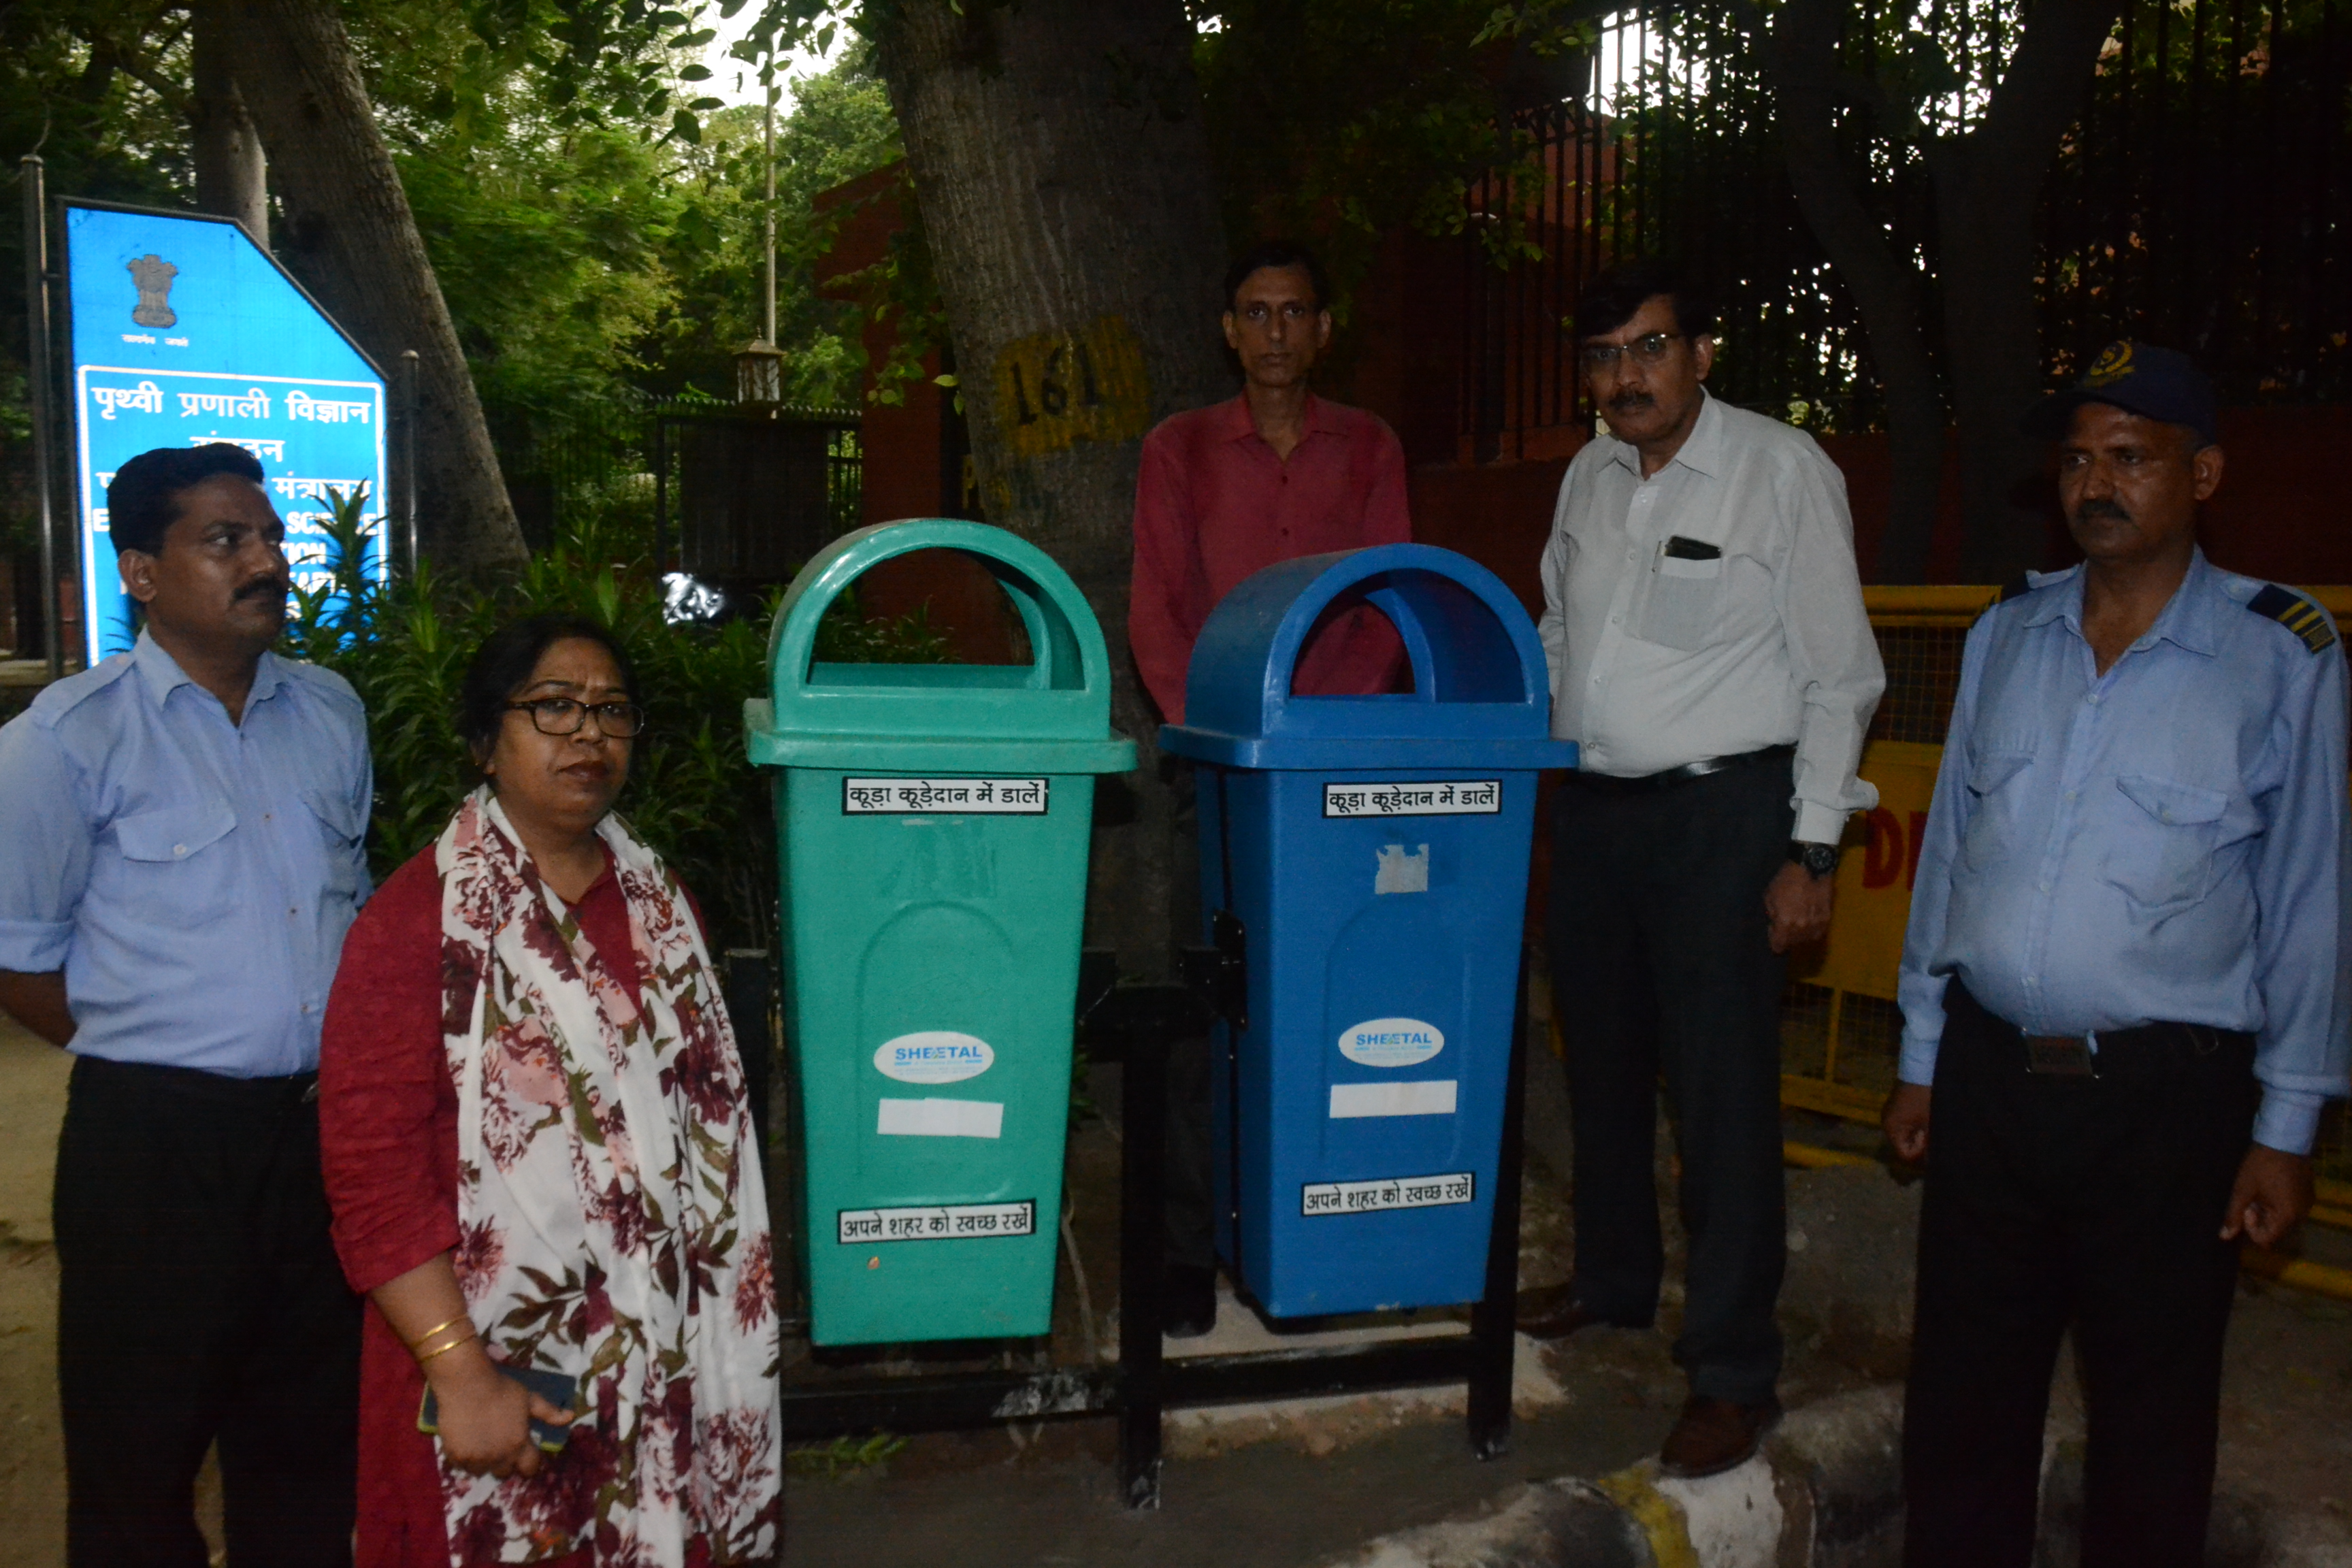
1677 547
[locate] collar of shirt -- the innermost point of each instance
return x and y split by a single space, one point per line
2186 620
1701 451
161 674
1238 423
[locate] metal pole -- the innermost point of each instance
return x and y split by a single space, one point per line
768 320
37 346
410 368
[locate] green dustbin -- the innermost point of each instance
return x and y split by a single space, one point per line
932 828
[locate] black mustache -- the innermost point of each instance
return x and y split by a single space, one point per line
1633 400
2090 509
263 588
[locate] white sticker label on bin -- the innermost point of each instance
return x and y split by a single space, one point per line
945 797
1457 797
933 1056
1420 1097
1391 1043
1396 1192
943 1118
964 1222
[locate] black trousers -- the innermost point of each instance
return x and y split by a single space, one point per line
1661 963
199 1300
2051 1203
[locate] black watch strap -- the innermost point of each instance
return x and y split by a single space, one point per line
1821 859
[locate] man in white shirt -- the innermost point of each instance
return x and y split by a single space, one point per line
1711 657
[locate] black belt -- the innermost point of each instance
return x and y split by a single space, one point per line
1609 783
302 1087
2144 1050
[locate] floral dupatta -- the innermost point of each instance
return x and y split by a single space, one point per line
612 1220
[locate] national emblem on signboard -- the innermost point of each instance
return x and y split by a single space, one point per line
153 274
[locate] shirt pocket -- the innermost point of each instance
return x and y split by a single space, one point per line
340 831
2162 855
1994 804
1685 602
177 870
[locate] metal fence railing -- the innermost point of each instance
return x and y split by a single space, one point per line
2202 199
707 487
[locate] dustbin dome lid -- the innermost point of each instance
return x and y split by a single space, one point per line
1481 690
826 714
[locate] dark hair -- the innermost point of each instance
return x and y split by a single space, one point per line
1268 253
1616 296
144 499
504 662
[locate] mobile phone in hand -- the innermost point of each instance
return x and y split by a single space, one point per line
557 1388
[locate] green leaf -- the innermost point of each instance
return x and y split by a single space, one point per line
694 73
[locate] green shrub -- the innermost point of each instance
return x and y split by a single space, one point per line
692 794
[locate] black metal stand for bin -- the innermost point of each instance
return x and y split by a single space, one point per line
1144 1383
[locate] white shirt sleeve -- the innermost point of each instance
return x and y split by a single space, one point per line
1833 657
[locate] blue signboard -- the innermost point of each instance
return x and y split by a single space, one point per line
185 331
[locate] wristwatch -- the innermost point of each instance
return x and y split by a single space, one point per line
1821 859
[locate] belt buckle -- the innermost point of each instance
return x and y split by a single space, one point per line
2059 1055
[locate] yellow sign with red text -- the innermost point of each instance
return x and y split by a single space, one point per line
1874 888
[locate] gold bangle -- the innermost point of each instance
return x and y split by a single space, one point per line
466 1338
427 1336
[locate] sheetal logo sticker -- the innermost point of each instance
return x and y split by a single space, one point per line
934 1056
1391 1043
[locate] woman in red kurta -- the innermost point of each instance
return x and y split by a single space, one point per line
531 994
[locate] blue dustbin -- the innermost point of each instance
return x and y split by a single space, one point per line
1365 861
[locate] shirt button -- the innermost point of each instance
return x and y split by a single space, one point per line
2043 886
2092 699
1616 620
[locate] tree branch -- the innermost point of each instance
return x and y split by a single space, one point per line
1801 62
2037 98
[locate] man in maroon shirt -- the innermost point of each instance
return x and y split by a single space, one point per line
1274 474
1224 492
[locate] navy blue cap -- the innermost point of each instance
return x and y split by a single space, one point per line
2138 378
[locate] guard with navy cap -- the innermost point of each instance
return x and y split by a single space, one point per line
180 854
2124 990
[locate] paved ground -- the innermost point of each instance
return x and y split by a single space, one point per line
1281 1494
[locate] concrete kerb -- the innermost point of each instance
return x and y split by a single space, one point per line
1826 1492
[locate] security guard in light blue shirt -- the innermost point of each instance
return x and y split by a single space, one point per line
2127 990
191 876
180 854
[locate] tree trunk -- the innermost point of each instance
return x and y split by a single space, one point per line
1801 57
231 172
1063 179
1985 184
350 234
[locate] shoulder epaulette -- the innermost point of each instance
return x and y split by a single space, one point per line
2297 615
62 698
2016 587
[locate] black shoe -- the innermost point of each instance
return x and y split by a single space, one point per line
1553 1313
1188 1301
1716 1434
